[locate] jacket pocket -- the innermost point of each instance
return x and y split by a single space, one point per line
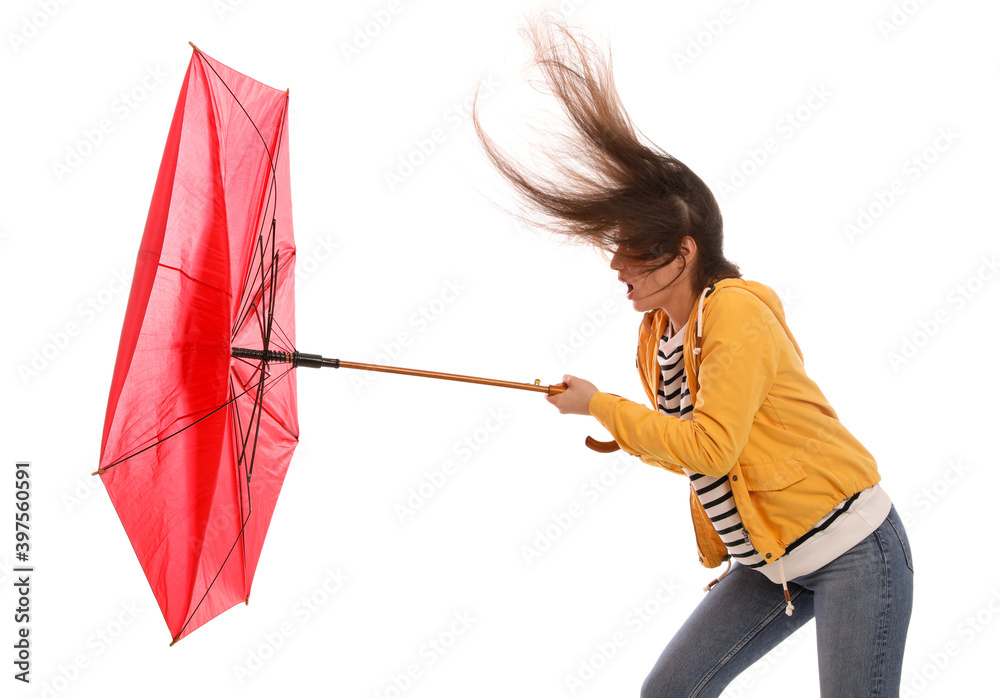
776 475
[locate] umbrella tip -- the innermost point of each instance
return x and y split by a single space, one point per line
174 641
246 601
194 47
99 472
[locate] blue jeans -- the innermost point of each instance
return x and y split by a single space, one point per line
861 602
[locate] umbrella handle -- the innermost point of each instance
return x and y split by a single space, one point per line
592 443
602 446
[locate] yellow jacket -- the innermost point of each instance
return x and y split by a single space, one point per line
757 418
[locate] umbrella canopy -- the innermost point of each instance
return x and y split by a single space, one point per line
196 443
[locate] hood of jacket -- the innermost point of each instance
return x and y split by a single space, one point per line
654 324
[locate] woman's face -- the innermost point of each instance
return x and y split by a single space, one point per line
662 287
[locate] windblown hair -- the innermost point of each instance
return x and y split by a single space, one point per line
611 189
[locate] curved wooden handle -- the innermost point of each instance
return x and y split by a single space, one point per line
592 443
602 446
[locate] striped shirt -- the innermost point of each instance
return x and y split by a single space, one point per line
827 539
714 493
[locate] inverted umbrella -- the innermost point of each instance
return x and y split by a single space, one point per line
201 420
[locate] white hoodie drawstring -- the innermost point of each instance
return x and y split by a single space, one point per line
784 586
789 607
701 304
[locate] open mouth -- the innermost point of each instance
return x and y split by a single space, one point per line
629 288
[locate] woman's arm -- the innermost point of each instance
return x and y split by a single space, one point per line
739 365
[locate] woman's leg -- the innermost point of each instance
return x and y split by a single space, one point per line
862 602
737 623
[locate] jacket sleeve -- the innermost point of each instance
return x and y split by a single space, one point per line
738 367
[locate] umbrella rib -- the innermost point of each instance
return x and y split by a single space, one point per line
271 190
216 577
286 342
238 425
247 302
274 416
170 436
188 276
244 437
250 300
274 380
273 289
274 267
240 104
272 185
245 520
259 402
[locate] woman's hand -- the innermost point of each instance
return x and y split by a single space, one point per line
576 398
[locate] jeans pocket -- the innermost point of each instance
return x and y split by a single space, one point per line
897 526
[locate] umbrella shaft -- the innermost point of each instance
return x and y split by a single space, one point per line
317 361
550 389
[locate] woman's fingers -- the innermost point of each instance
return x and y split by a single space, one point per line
576 398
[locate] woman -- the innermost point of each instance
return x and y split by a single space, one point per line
779 488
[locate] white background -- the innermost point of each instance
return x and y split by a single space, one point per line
372 257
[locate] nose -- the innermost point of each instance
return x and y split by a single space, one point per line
616 262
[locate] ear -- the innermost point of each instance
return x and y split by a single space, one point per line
688 248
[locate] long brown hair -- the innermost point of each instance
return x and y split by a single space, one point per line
613 190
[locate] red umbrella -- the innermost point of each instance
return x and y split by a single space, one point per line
196 444
201 420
